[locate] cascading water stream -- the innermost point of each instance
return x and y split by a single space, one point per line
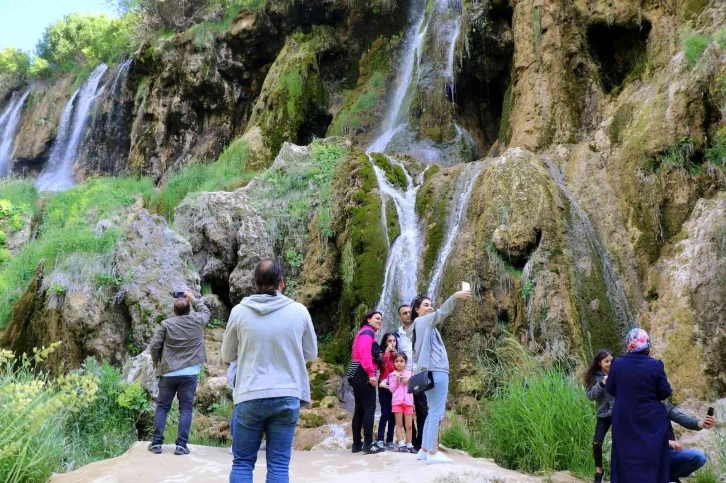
119 80
614 290
56 175
465 183
8 125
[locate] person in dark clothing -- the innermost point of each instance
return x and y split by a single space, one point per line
639 420
405 345
177 351
389 346
684 462
362 377
595 378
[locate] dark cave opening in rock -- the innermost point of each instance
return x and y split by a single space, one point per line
618 49
312 128
484 79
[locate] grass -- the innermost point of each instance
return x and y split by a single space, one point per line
694 45
68 227
458 436
227 174
539 423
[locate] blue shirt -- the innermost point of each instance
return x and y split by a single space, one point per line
187 371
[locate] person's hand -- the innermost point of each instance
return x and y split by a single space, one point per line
605 379
707 423
463 294
373 381
189 296
404 380
675 445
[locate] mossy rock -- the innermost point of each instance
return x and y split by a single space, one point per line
394 173
311 420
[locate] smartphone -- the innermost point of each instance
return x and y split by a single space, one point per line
178 295
465 286
710 412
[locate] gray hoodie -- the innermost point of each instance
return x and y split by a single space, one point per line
429 353
270 337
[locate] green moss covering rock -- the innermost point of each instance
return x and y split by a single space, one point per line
294 93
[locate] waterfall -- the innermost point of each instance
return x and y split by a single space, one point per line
8 125
465 185
57 176
120 79
399 283
586 238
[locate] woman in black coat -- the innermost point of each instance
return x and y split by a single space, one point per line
640 422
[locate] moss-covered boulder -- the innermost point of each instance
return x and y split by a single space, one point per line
293 103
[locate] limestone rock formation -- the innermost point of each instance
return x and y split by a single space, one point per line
155 261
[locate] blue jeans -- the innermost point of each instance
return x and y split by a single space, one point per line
686 462
275 416
184 388
437 406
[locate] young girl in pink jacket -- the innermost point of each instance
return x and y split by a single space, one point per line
402 404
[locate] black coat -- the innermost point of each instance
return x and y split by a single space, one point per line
640 421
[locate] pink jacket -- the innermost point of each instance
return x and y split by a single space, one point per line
400 390
362 350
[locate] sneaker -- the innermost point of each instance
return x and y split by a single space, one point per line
391 446
181 450
230 451
411 449
373 449
155 448
421 455
380 444
357 448
598 477
438 458
400 449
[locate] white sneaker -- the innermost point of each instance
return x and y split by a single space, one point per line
421 455
438 458
230 451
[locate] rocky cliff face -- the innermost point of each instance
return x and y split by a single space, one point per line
598 208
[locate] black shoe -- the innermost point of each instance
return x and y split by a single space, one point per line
181 450
372 449
357 448
155 448
599 477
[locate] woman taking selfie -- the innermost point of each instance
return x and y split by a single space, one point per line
430 355
362 377
640 421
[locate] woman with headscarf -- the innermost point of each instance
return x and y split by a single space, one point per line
639 421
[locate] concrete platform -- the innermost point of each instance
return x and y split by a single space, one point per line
212 465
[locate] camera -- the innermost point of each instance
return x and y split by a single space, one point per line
178 295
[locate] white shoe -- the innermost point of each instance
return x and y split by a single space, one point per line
438 458
421 455
230 451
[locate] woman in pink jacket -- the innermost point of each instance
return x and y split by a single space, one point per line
363 378
402 405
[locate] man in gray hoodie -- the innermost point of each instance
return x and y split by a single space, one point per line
270 336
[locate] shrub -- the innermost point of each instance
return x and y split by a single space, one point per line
539 423
79 39
458 436
14 67
33 409
105 428
694 46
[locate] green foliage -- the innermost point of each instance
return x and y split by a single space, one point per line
694 45
14 68
680 155
528 289
707 474
105 429
720 37
394 172
226 174
458 436
294 258
716 152
79 39
540 422
134 398
67 228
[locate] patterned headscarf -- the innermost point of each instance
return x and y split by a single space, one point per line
638 341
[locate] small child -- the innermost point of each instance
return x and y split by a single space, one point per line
402 405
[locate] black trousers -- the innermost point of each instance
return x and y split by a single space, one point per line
601 429
365 409
385 398
421 406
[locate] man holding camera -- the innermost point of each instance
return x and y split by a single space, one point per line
685 462
177 351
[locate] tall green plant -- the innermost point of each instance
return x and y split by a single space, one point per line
538 423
